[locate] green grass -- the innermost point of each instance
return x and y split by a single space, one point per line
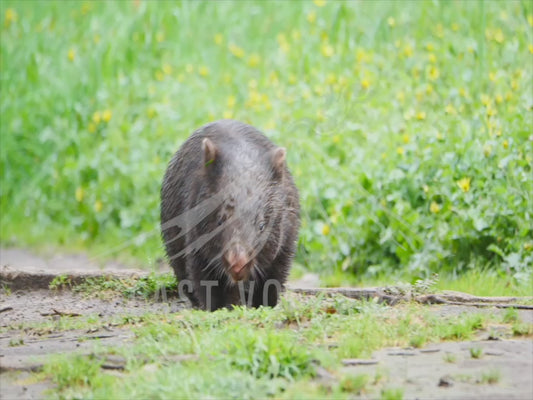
408 125
268 352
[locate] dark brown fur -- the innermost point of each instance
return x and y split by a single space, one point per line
230 214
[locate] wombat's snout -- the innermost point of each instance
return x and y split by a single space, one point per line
237 262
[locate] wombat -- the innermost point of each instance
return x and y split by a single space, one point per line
230 216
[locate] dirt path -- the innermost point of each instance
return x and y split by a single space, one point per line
422 373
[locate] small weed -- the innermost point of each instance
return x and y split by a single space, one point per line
450 358
6 290
353 383
522 329
511 315
418 341
75 371
16 342
380 375
59 282
465 378
476 352
392 394
491 377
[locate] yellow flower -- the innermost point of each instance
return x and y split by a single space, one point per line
106 115
79 194
400 96
432 58
98 206
405 138
421 115
97 117
203 71
71 54
400 150
236 50
498 36
365 84
487 150
336 139
232 100
450 109
464 184
85 8
505 144
391 22
327 50
228 114
167 69
254 60
319 3
425 188
434 207
151 112
325 230
486 100
440 136
434 73
10 16
530 48
311 17
407 50
331 78
430 47
463 92
218 38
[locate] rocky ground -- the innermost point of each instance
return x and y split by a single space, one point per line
423 373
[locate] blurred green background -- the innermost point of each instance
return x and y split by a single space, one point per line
408 125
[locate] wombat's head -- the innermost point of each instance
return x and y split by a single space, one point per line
246 182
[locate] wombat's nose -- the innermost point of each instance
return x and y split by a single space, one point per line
236 260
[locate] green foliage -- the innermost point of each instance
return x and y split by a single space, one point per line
491 377
392 394
476 352
408 125
60 282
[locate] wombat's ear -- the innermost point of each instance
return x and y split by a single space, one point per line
278 156
210 151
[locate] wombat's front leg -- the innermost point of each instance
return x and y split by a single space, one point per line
210 296
266 293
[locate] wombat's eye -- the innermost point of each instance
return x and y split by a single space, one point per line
261 226
221 220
